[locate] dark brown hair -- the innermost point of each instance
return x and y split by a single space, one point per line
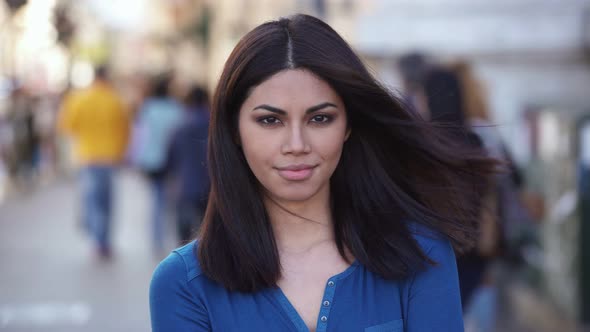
396 170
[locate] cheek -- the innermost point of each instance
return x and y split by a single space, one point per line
330 146
250 141
246 133
255 145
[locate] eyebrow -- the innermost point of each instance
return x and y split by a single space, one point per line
283 112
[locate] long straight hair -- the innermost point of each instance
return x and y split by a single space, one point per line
396 170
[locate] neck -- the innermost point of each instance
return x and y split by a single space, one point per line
301 226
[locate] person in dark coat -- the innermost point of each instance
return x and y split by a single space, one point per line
188 164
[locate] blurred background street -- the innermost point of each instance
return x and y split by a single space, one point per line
50 280
517 73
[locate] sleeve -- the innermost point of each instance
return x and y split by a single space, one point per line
67 114
126 123
434 299
173 307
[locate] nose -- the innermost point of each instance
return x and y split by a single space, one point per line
296 142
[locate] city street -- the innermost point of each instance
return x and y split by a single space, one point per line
51 279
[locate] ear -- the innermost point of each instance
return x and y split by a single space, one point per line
348 130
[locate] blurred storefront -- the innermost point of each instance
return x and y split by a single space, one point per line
558 167
50 46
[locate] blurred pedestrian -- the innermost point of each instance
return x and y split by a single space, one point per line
332 207
98 122
445 100
455 96
24 147
514 210
158 116
187 164
46 117
413 68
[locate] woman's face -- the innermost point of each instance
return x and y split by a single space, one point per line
292 128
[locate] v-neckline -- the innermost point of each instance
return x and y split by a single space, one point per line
329 289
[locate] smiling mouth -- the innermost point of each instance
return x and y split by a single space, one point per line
296 173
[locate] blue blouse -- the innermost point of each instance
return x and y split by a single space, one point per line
183 299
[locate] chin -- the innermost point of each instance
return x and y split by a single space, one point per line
294 195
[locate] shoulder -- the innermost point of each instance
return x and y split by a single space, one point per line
71 99
104 90
433 291
181 265
178 279
429 239
177 293
171 105
437 247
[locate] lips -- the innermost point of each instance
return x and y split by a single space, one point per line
296 172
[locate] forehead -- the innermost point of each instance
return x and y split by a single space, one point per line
292 87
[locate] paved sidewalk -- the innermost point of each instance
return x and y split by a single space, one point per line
52 281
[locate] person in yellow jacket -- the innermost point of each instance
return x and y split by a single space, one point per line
98 122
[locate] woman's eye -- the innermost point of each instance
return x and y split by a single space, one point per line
269 120
321 118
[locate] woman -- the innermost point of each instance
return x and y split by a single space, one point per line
332 208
